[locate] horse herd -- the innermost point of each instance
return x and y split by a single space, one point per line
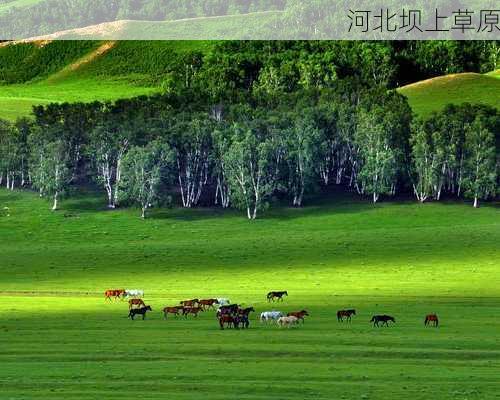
233 316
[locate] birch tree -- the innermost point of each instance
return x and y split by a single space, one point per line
480 170
221 142
424 161
51 175
249 169
109 143
9 154
192 148
142 174
378 171
300 141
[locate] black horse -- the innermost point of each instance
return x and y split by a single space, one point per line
382 318
231 309
276 295
235 321
142 311
345 313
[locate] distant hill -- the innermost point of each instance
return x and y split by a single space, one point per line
238 26
46 70
105 70
433 94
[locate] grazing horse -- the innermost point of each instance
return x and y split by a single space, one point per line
287 321
245 311
299 314
191 310
276 295
172 310
345 313
382 318
136 302
431 318
142 311
228 320
134 293
189 303
267 316
222 301
114 293
208 303
243 321
227 310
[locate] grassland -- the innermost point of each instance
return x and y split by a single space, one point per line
105 71
63 341
236 27
433 94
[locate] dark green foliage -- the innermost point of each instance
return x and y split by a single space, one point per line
26 61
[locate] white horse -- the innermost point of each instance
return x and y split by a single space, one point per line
223 301
134 293
270 316
287 321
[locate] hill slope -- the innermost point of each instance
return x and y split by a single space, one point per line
91 71
433 94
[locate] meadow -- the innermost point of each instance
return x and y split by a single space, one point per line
63 340
433 94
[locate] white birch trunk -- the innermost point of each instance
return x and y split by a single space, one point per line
54 206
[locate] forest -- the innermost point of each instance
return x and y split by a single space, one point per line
252 124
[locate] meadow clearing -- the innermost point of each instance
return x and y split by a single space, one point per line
61 340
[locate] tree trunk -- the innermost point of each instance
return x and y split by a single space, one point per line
143 214
476 202
54 207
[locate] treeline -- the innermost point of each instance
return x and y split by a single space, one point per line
260 65
152 150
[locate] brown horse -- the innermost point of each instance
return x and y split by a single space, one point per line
172 310
431 318
229 320
208 303
276 295
189 303
113 293
298 314
136 302
191 310
341 314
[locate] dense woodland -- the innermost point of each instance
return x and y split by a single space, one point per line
249 124
280 65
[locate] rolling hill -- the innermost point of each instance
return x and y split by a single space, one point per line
101 71
46 70
433 94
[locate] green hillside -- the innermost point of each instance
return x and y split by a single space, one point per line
92 71
433 94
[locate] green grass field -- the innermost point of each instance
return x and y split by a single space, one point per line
108 72
433 94
18 100
61 340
